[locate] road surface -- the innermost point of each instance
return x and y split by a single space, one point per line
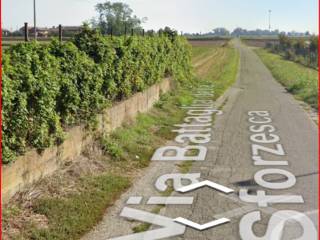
230 162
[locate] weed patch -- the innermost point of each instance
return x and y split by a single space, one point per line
69 218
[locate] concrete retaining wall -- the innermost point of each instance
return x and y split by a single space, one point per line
31 167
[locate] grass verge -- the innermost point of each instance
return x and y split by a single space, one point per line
299 80
71 217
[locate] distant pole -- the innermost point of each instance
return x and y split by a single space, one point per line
111 32
132 32
143 32
125 31
35 19
269 20
60 33
26 32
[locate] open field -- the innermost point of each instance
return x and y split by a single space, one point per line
199 43
299 80
259 42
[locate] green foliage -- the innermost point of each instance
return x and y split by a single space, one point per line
47 88
128 144
301 50
115 17
81 84
299 80
70 218
111 148
31 87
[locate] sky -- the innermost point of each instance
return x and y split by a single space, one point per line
182 15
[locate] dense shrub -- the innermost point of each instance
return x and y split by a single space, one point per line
47 88
30 90
81 83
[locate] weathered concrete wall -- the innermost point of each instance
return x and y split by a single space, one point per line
32 166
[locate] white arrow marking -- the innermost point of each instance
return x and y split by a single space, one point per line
169 227
204 226
213 185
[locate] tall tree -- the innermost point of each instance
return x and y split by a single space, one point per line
116 17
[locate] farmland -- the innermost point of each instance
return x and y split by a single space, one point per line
259 42
215 42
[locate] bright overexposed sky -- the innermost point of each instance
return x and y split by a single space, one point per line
183 15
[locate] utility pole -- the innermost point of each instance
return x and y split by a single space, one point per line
269 20
26 32
60 33
35 19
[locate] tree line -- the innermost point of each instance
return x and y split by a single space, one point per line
223 32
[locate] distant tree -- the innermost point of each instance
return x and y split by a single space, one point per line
300 47
239 32
221 32
150 32
313 48
116 17
284 42
16 33
168 32
314 45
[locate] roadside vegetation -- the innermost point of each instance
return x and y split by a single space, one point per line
49 88
65 212
300 50
299 80
212 64
221 67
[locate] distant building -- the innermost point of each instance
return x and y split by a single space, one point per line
5 33
41 31
67 30
72 29
47 32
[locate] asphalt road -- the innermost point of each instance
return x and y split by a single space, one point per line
229 162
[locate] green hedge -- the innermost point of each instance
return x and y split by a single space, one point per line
48 88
